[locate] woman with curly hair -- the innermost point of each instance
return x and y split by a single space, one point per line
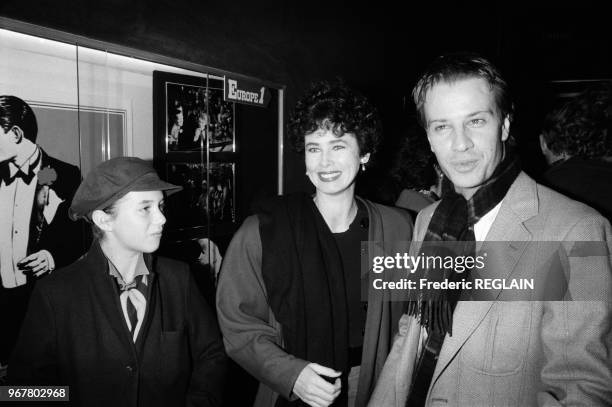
289 296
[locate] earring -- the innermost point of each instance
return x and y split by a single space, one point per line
362 166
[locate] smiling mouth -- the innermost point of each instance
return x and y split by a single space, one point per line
329 176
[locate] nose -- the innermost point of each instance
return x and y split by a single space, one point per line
461 139
326 159
160 218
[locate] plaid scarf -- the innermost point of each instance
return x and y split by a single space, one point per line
453 223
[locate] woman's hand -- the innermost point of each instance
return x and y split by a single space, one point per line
314 390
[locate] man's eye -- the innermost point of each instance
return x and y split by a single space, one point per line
339 147
441 127
477 122
312 149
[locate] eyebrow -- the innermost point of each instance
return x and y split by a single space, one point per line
476 113
149 201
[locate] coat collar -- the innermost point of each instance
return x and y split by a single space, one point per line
104 290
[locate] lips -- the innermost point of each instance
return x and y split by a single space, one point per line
464 166
329 176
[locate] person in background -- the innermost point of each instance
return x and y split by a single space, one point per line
121 326
289 293
509 348
36 235
576 141
175 128
416 173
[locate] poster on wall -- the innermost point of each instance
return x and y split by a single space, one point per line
193 116
195 147
208 194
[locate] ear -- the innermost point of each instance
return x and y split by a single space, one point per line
364 158
16 134
505 128
102 220
543 145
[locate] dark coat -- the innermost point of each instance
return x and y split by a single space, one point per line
75 334
587 181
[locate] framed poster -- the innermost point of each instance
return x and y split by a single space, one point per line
195 147
191 116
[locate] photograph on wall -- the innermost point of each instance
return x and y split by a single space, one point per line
193 115
222 123
208 194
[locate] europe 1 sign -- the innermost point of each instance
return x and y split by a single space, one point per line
248 93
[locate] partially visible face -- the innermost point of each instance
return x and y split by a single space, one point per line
8 146
332 163
179 116
465 132
139 220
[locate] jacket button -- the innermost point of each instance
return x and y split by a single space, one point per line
129 368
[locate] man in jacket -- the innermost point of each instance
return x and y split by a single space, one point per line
500 351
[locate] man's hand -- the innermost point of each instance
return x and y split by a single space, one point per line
37 264
314 390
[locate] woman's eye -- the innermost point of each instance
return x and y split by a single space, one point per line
339 147
312 149
441 127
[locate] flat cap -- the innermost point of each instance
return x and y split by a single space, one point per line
113 179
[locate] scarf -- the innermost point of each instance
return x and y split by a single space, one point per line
453 223
303 275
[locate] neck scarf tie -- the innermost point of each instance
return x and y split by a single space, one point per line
134 303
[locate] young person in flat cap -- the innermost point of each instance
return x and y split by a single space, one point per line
119 326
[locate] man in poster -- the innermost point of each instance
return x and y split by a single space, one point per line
36 235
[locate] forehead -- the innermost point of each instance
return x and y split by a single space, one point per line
328 136
447 100
137 197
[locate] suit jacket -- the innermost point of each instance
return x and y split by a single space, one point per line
253 336
75 334
63 238
521 353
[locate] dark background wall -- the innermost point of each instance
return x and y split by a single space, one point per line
377 47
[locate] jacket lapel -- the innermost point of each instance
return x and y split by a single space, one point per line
103 291
505 244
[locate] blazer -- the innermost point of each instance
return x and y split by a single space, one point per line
520 353
75 334
253 336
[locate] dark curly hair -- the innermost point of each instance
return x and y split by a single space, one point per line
336 107
462 65
583 126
